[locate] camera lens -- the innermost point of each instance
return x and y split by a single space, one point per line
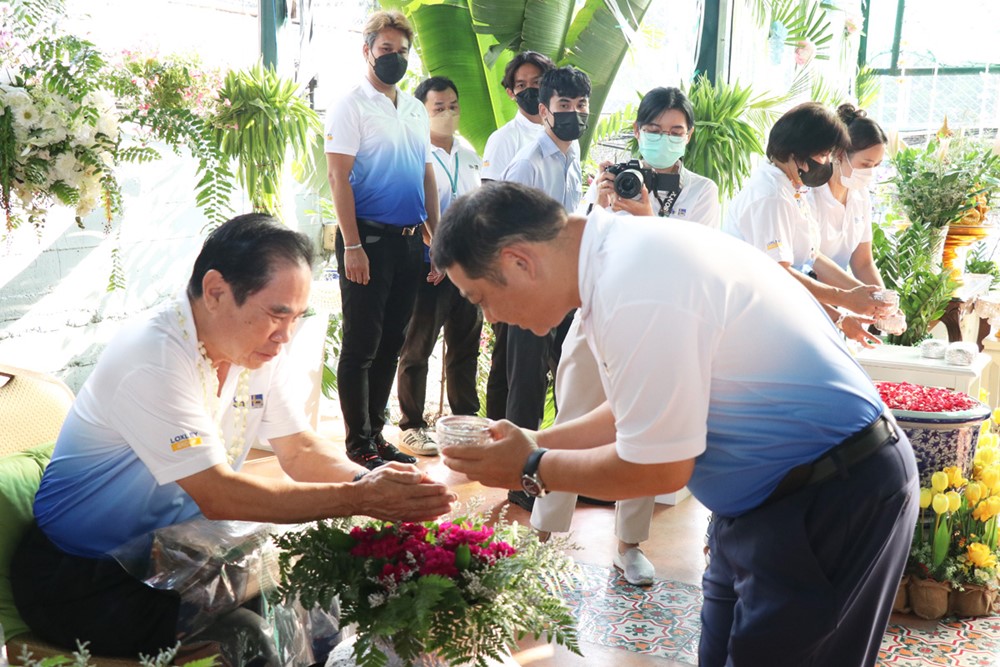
628 184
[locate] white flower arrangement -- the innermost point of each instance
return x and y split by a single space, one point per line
63 150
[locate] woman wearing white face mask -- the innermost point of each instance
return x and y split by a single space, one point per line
663 127
843 207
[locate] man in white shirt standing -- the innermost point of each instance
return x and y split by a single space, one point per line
551 164
456 170
521 79
378 159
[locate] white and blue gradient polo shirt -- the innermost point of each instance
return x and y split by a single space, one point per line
390 145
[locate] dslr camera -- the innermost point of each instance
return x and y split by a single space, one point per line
630 177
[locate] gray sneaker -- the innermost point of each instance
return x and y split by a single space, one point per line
418 441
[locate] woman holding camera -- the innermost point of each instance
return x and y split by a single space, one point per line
843 207
772 213
663 127
664 124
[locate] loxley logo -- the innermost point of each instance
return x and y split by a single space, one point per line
185 440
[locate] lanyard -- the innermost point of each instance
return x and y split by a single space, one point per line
666 203
452 178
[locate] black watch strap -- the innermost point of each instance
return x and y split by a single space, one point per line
534 458
530 481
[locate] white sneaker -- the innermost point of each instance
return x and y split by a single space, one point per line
418 441
636 567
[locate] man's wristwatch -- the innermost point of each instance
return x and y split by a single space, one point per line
530 481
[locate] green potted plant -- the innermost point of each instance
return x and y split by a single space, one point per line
259 118
946 186
906 264
729 121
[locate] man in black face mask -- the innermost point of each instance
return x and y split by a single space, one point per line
521 79
551 164
379 165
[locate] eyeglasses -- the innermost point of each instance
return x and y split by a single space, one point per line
673 131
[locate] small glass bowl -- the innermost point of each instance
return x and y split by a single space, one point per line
462 430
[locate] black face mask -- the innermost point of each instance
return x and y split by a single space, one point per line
527 99
569 125
818 175
390 68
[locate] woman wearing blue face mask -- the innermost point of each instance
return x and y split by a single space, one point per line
843 207
663 127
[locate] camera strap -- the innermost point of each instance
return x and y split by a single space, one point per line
666 190
666 202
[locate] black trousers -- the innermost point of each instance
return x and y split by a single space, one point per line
496 381
527 360
375 319
810 579
438 306
64 598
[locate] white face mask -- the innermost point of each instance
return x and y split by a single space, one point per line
859 178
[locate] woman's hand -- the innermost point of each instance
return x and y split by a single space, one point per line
856 328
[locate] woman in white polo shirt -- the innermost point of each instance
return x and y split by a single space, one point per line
663 126
843 207
772 213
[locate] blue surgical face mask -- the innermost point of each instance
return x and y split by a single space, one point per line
661 151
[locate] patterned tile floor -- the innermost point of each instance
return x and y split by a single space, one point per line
662 621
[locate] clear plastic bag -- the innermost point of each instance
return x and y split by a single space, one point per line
227 574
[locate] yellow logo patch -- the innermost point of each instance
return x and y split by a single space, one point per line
184 440
774 245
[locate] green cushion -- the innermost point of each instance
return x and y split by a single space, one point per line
20 475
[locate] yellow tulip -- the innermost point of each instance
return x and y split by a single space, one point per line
984 428
925 498
973 493
954 501
990 476
980 555
985 456
955 478
996 416
993 502
984 395
939 481
987 509
987 441
940 503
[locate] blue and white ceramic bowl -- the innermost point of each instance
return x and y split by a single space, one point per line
942 439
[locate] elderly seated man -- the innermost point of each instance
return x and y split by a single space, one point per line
160 432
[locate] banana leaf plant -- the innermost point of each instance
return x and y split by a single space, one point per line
471 41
